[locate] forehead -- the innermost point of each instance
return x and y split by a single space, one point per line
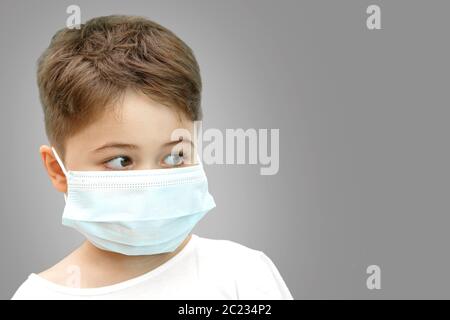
136 119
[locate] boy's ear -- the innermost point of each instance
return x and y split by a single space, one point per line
54 171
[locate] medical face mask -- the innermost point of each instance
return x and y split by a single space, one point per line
136 212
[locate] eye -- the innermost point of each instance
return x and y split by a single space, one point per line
174 159
118 163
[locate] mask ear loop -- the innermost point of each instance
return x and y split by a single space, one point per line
61 165
199 160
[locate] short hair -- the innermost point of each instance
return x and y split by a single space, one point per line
85 70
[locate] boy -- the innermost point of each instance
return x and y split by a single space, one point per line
113 93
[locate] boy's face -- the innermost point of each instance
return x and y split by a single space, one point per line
135 136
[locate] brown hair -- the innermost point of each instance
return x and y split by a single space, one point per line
85 70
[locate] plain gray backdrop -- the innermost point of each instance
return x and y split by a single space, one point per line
363 118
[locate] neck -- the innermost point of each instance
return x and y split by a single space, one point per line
115 267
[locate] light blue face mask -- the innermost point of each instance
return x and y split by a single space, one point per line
136 212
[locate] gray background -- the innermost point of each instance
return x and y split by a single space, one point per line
363 118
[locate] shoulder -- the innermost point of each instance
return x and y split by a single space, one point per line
224 248
253 273
30 289
41 285
221 253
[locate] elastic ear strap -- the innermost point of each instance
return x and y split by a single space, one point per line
199 160
58 159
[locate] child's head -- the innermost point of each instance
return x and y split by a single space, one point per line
113 92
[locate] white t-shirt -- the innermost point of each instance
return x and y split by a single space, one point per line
206 269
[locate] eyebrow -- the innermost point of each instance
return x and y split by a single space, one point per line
116 145
181 140
134 147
